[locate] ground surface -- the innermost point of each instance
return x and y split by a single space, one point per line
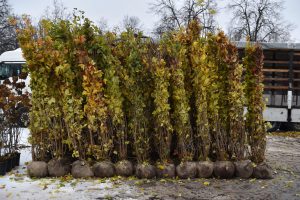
283 154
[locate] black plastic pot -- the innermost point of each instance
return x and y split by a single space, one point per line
14 160
2 168
9 164
18 155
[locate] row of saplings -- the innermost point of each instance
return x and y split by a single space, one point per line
91 91
125 168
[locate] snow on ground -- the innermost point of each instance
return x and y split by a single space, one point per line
17 185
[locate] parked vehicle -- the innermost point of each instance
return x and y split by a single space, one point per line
281 84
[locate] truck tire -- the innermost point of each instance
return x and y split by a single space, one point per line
289 126
275 127
296 126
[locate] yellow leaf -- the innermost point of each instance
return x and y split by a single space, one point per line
161 167
206 183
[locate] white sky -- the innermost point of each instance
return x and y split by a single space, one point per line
113 11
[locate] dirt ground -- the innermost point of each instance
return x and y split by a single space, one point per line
283 154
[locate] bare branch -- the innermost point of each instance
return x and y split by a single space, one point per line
57 11
173 18
132 23
260 20
8 38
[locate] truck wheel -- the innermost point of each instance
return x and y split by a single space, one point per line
296 126
289 126
275 127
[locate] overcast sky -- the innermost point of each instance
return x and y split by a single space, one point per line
113 11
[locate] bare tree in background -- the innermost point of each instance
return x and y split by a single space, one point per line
102 25
57 11
8 38
173 17
260 20
132 23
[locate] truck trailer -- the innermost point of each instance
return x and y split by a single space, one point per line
281 84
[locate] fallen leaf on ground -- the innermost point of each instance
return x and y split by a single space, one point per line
206 183
252 180
45 187
8 195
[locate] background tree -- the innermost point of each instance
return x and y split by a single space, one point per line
57 11
131 23
8 38
172 16
260 20
102 24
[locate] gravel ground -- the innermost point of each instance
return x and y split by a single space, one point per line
283 154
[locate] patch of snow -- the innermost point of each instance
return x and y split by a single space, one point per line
17 184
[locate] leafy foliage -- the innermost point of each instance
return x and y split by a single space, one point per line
253 63
161 113
13 99
107 96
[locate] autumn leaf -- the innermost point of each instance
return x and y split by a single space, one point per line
206 183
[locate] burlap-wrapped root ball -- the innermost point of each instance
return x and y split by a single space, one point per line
104 169
204 169
262 171
81 169
224 169
37 169
243 169
186 170
145 171
165 170
59 167
124 168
